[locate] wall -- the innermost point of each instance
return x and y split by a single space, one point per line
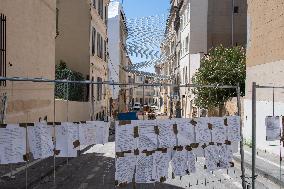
198 26
263 109
266 41
72 43
72 111
220 23
114 53
30 53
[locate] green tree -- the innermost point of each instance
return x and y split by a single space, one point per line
75 92
222 66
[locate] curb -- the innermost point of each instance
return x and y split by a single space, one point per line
261 172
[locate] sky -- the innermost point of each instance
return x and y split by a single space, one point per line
142 8
145 8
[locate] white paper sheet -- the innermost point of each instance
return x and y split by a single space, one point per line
203 133
212 157
161 165
147 139
185 134
87 134
144 169
273 128
101 131
66 134
124 138
166 138
125 167
234 125
12 144
40 140
179 163
219 131
226 156
191 159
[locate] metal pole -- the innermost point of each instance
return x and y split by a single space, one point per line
242 137
233 7
143 102
54 135
253 133
92 101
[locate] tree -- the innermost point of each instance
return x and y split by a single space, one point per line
75 92
222 66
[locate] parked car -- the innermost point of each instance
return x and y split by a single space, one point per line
137 106
154 108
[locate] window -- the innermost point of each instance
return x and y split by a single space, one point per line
94 41
95 4
2 48
101 8
57 22
99 45
99 89
105 51
236 9
186 44
106 15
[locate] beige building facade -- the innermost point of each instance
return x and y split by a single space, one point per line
82 43
265 66
30 52
119 59
193 28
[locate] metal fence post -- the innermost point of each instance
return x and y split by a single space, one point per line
242 137
253 133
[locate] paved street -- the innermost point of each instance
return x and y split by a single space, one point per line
95 169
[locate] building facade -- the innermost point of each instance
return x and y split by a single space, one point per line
119 59
265 66
27 50
194 27
82 43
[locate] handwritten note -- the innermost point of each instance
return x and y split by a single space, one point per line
125 167
219 131
124 138
167 138
147 139
66 136
144 169
191 159
203 133
234 125
179 163
87 134
226 156
101 131
185 134
161 165
212 157
40 140
273 128
12 144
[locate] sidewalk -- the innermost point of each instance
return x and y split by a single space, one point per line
267 165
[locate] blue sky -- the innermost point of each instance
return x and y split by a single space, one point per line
142 8
145 8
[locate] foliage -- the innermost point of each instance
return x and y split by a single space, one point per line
71 91
222 66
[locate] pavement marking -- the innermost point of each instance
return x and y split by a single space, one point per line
83 186
96 169
19 169
90 176
263 159
237 184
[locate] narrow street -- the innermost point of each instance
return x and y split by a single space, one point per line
96 167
